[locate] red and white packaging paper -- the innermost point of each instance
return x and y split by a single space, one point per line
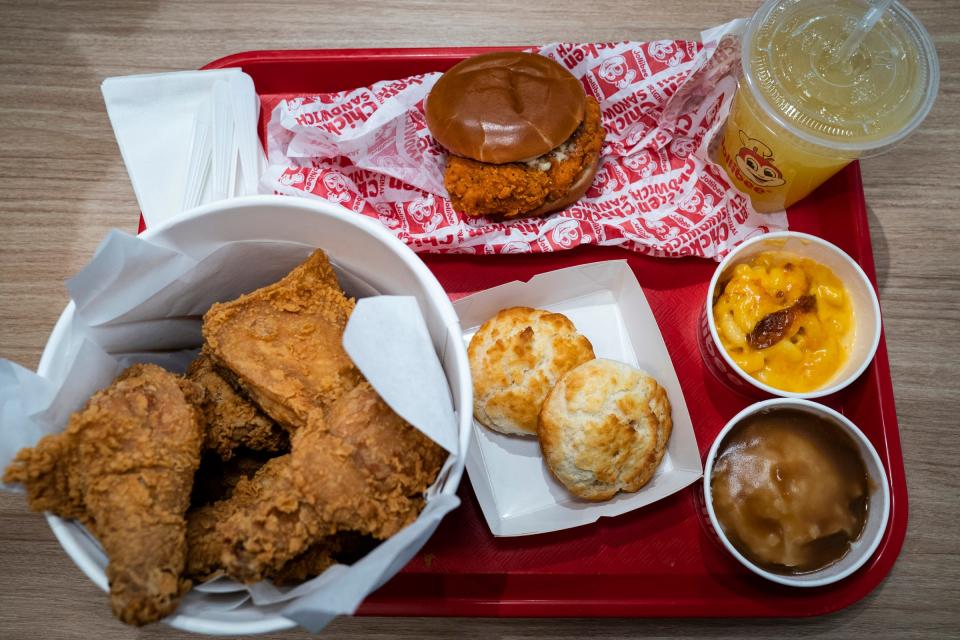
656 191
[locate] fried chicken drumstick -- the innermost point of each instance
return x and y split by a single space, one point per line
124 467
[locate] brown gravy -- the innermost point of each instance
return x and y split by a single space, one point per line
790 490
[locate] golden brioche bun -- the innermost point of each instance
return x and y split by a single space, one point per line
506 106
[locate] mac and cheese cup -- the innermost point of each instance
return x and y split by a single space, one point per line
864 336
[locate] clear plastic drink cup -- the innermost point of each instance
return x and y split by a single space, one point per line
801 114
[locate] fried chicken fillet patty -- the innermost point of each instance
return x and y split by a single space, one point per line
517 189
124 467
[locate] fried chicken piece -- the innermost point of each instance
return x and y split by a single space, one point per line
205 545
513 189
315 560
216 496
362 468
281 345
241 491
124 467
232 421
344 547
216 478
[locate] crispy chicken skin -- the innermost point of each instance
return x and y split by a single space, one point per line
232 421
242 490
206 545
513 189
204 542
216 478
315 560
361 468
345 547
124 467
281 345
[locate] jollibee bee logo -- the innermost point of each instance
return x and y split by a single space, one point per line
605 181
386 215
755 159
682 147
566 234
713 110
615 71
424 211
666 51
641 162
696 204
515 246
290 179
338 191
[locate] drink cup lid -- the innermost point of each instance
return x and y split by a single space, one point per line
843 122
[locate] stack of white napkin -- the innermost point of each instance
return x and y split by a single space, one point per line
187 138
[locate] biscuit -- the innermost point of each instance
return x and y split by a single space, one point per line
515 358
604 428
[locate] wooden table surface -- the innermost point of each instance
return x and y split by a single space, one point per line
63 185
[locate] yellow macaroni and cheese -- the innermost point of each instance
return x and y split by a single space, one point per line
785 320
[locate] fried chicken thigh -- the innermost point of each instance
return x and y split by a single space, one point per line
281 345
360 468
124 467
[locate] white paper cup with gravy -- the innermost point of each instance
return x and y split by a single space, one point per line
785 499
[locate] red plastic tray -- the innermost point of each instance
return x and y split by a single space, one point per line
662 560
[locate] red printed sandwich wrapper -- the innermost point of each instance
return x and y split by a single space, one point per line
656 190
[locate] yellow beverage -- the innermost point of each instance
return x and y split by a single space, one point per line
801 114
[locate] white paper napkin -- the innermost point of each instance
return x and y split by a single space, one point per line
186 138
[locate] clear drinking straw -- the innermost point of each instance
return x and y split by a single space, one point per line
863 27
